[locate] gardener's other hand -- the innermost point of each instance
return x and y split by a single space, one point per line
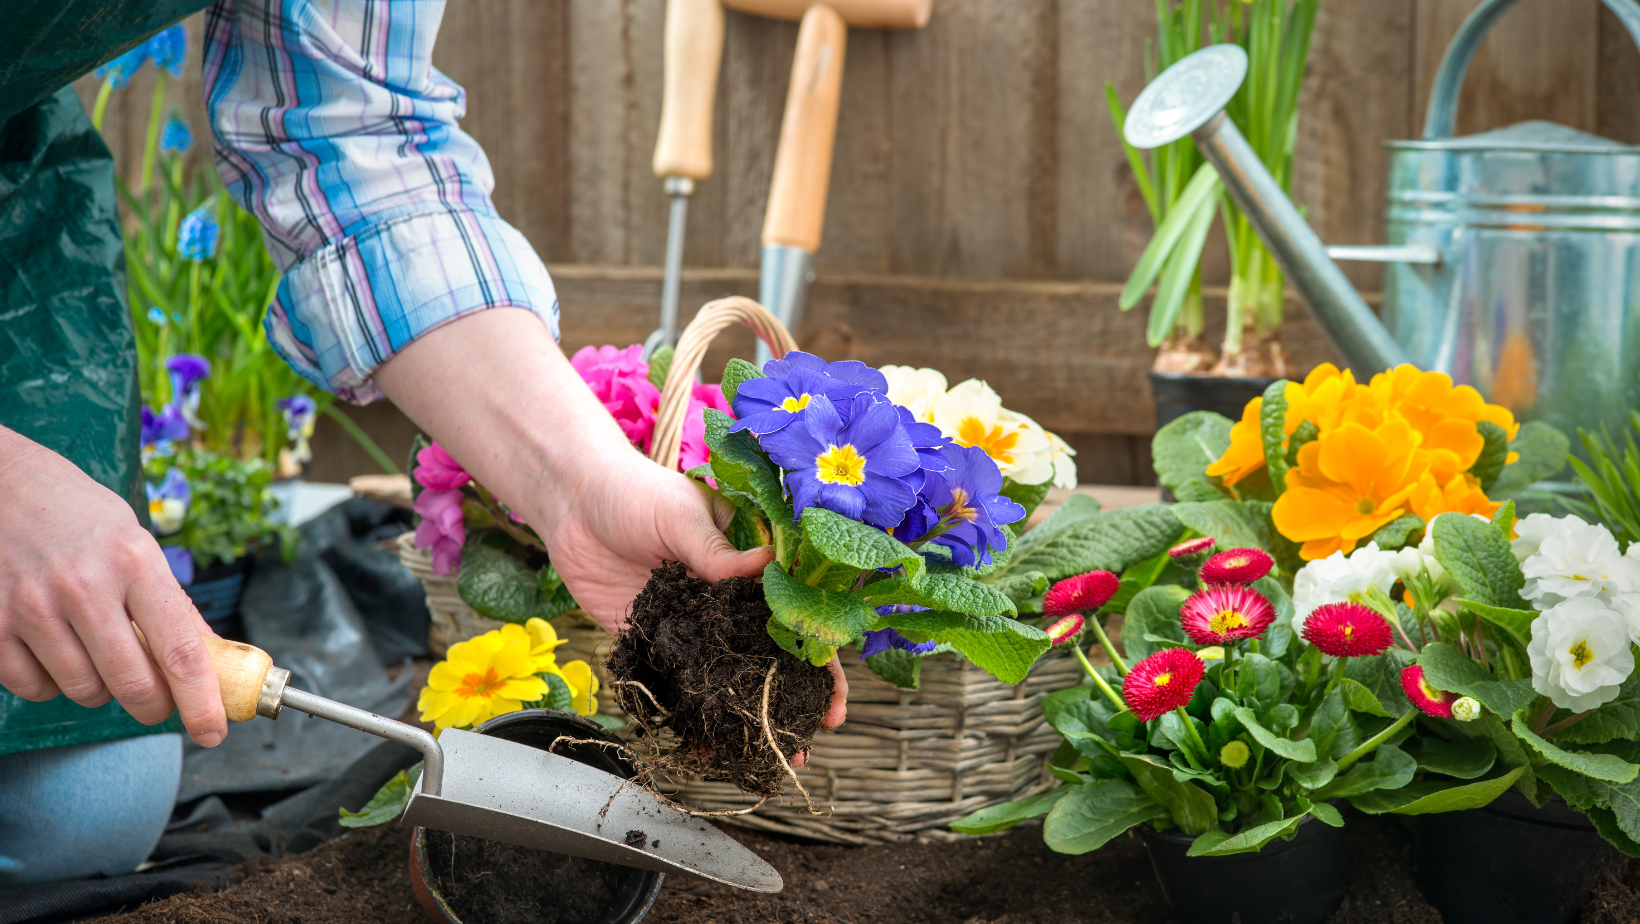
76 569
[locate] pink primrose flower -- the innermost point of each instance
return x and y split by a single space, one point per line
620 380
694 450
441 528
436 471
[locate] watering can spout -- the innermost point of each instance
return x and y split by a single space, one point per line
1188 99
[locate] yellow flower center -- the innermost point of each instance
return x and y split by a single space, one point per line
1349 631
1239 561
1225 620
156 507
1581 655
840 465
795 404
1365 506
959 508
1429 691
997 443
476 684
1163 680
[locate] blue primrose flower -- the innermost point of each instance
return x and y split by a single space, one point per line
881 640
862 466
768 404
967 498
926 439
162 429
182 563
176 138
198 234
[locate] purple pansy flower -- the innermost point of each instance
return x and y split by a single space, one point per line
862 466
881 640
300 414
187 370
160 430
182 563
968 496
168 502
768 404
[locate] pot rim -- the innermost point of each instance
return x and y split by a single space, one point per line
1184 377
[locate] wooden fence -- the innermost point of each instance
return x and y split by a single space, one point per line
982 216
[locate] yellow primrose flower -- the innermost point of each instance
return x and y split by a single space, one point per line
583 683
543 639
1460 494
1425 399
1245 454
482 677
1349 482
1064 467
915 389
971 414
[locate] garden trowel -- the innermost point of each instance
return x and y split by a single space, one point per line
501 790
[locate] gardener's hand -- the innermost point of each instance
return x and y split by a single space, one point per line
76 569
494 389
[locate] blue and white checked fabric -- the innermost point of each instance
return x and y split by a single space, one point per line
332 126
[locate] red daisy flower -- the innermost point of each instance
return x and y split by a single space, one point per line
1083 593
1065 629
1433 702
1237 566
1162 682
1224 613
1191 549
1347 630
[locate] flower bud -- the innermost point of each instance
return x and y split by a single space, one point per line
1234 755
1466 709
1065 629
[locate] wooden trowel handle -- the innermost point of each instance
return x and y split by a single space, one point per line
802 164
693 51
240 670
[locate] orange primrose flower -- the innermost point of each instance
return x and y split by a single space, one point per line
1349 482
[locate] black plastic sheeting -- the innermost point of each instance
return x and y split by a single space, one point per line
337 617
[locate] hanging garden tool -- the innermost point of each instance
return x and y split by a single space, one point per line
501 790
808 132
683 148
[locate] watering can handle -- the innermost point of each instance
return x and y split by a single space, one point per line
1443 97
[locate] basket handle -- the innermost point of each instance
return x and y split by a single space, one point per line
711 320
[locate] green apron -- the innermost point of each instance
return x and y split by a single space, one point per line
68 377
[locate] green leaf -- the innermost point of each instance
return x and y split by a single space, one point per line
1235 524
735 374
1301 751
1313 775
1183 449
900 668
1089 815
1201 191
1616 720
1029 496
1279 636
739 463
1272 422
1390 768
1606 824
1543 453
501 587
1607 767
803 649
1620 801
387 804
1447 668
1306 433
1330 726
1478 556
1361 699
842 541
1518 623
1468 759
559 695
1258 682
1154 613
826 617
943 591
1381 675
1003 647
994 818
1428 797
1406 529
660 362
1327 815
1191 807
1021 589
1248 841
1109 541
1494 453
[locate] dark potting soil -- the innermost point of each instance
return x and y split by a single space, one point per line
492 883
1010 878
704 652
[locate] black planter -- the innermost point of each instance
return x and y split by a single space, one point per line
539 728
1299 881
217 592
1510 862
1178 395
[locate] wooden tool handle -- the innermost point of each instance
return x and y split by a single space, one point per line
693 51
802 164
864 14
240 670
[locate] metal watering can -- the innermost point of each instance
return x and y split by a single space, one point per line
1514 256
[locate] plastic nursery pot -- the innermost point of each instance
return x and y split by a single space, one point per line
636 890
1178 395
1510 862
217 592
1299 881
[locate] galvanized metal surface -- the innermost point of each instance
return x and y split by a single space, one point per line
783 287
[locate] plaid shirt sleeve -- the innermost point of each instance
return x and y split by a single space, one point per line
331 125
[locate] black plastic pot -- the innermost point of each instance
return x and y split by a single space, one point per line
539 728
217 592
1299 881
1178 395
1510 862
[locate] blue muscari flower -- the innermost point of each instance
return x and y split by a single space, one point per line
861 465
186 371
156 316
176 138
162 429
967 497
768 404
198 233
881 640
120 70
182 563
169 49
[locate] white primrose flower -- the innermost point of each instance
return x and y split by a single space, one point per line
972 415
1532 529
1047 464
1064 467
1336 578
915 389
1578 559
1580 652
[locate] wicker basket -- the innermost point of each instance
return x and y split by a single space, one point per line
906 763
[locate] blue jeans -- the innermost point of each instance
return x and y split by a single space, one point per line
87 808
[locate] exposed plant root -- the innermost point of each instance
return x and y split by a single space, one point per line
768 735
652 699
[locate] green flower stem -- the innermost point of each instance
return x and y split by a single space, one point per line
1566 723
1104 640
1337 676
1373 742
1098 681
101 106
1195 741
151 144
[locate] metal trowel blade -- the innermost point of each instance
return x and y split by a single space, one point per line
504 791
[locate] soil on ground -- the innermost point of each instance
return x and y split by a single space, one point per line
506 884
695 659
1010 878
